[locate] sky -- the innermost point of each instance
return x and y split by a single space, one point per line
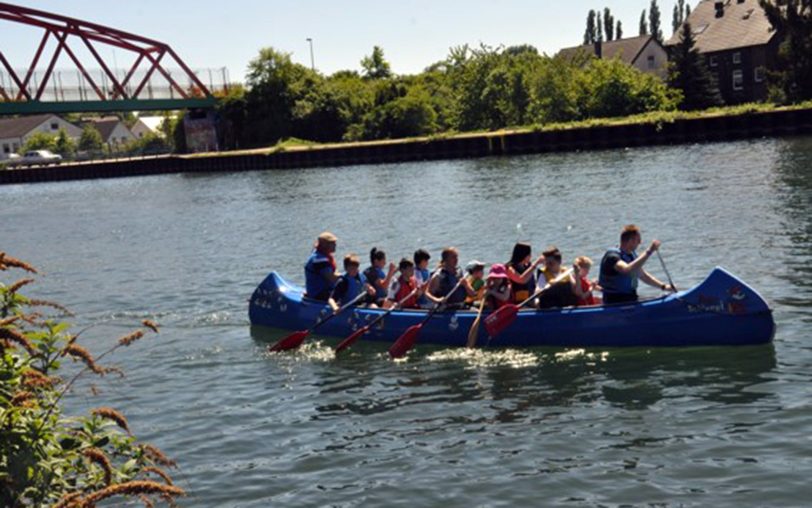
413 34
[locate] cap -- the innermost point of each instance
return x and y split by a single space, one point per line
473 265
328 237
498 271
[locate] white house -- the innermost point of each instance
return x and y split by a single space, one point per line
113 132
643 53
147 124
14 132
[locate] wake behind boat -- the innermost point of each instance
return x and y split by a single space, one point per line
721 310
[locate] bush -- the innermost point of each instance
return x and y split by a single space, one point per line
46 457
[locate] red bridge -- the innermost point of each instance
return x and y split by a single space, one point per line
147 84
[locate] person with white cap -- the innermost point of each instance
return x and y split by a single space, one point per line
320 269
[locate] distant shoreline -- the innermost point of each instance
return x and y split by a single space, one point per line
597 136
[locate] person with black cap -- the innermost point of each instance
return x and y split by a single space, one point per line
320 269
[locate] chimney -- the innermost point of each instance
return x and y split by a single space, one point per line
599 49
720 9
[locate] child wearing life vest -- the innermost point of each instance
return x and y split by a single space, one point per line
583 287
377 277
422 275
476 272
350 284
402 287
497 292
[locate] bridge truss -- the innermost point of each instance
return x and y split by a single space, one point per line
106 90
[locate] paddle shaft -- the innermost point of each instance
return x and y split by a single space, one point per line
341 309
389 310
406 341
667 274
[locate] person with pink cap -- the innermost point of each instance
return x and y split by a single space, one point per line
498 287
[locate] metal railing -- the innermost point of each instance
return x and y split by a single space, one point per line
70 85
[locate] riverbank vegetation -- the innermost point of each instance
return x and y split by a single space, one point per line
48 458
491 88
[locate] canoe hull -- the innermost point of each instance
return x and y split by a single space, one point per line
722 310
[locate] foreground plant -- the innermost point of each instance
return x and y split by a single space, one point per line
46 457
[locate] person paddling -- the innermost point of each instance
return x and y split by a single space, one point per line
520 272
320 268
401 288
561 292
446 280
622 267
422 275
377 277
351 284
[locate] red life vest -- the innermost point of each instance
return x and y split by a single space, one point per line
585 287
406 287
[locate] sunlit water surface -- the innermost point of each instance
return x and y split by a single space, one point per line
543 427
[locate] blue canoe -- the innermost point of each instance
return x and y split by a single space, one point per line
722 310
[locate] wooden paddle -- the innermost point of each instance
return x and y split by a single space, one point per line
496 322
349 341
295 339
473 333
406 341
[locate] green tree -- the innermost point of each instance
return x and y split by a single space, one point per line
64 144
411 115
375 65
619 30
688 73
643 23
39 141
590 34
680 14
792 81
91 139
608 24
611 88
654 21
271 97
599 25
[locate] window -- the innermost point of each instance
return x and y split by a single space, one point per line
714 61
737 57
651 61
738 80
758 74
54 126
15 147
6 148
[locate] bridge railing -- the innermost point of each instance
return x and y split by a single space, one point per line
70 85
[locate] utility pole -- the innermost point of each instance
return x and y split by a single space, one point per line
312 61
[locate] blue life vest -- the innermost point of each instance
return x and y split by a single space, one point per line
425 275
613 281
355 285
380 292
317 285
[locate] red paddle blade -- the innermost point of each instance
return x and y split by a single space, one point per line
501 319
292 341
349 341
405 342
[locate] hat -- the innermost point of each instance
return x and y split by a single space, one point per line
473 265
498 271
327 237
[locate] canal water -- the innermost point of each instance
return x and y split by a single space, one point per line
446 427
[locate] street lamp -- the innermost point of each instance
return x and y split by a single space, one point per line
312 62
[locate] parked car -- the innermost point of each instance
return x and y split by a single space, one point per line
36 158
